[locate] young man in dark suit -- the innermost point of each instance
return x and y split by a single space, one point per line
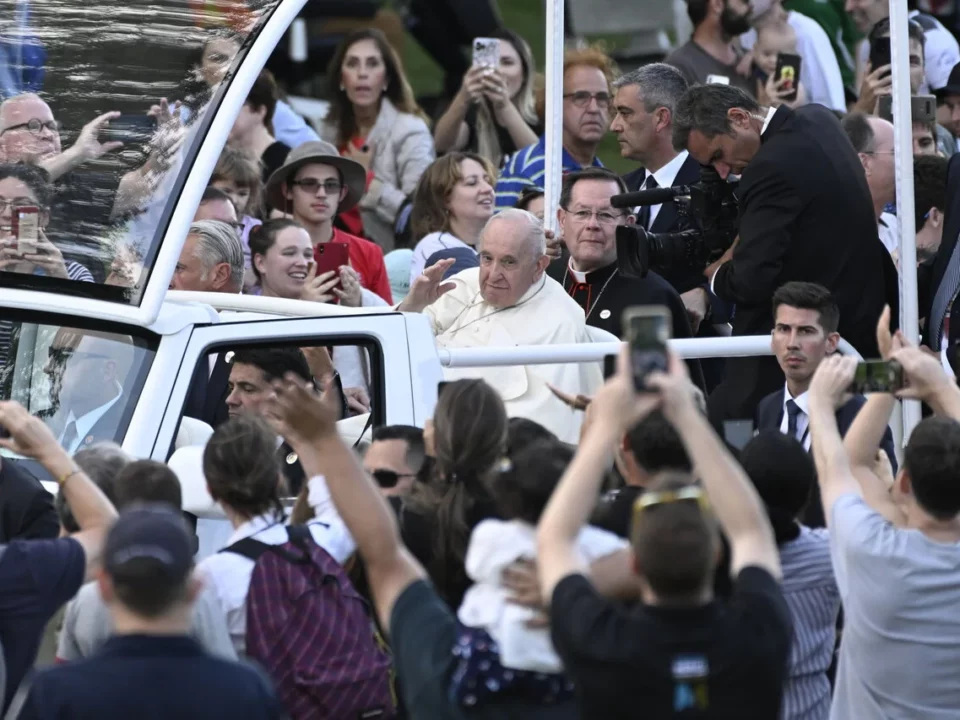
805 215
804 333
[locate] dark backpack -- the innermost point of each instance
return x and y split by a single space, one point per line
313 633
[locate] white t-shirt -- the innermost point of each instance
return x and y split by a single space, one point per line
819 71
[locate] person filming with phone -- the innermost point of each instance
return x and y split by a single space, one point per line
805 214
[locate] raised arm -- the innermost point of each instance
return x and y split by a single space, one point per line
830 384
92 510
732 496
308 422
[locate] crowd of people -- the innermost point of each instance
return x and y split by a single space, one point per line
553 543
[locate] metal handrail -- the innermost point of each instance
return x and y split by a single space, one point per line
746 346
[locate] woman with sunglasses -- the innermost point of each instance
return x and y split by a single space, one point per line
27 186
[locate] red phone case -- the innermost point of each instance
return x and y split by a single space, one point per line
331 256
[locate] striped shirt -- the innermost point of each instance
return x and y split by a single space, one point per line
810 590
526 168
75 271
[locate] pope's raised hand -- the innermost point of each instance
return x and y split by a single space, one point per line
428 288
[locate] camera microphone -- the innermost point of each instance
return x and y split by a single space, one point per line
648 197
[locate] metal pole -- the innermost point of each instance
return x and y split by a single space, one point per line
903 137
553 120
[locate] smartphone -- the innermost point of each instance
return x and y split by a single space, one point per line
26 229
788 71
646 330
923 108
880 53
486 52
331 257
738 433
609 366
130 130
877 376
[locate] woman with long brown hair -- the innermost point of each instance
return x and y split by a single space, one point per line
374 120
465 442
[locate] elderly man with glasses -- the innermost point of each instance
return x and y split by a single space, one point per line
587 75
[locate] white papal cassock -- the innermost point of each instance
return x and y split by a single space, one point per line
545 315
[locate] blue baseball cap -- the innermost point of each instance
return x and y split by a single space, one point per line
464 258
149 540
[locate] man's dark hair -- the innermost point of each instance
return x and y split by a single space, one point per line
656 445
697 11
932 461
527 196
147 481
857 127
101 462
784 475
704 108
214 194
929 185
591 173
35 178
675 544
914 31
809 296
275 363
264 94
411 435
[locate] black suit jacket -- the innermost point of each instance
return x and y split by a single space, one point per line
770 417
929 278
26 509
207 399
805 214
106 427
292 469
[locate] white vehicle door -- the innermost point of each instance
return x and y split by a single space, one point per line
392 389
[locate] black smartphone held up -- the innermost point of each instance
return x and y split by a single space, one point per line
788 72
877 376
880 53
130 130
647 330
738 433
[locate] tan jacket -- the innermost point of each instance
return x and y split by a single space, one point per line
403 149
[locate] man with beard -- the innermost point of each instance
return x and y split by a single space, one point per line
711 55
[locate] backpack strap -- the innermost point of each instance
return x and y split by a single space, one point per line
248 548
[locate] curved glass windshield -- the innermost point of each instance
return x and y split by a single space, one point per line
83 383
105 103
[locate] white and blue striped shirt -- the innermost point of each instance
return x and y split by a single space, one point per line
810 589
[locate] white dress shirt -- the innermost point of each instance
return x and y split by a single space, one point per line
803 419
766 123
665 178
86 422
230 573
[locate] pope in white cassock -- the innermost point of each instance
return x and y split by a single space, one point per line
509 300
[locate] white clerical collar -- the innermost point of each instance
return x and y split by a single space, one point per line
580 277
666 175
766 123
86 422
802 400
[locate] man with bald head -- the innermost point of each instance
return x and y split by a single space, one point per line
872 138
508 301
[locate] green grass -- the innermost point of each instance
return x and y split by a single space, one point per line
525 17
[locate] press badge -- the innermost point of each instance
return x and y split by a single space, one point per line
690 675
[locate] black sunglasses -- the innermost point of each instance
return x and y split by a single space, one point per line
388 478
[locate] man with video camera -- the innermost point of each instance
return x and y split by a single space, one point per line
805 215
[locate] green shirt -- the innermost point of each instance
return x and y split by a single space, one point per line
843 34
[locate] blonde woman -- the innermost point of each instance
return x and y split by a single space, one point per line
494 113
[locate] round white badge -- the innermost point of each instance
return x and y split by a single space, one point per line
604 314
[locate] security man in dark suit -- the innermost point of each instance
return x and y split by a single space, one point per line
805 214
804 333
26 509
252 374
643 123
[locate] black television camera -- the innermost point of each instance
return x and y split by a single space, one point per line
707 215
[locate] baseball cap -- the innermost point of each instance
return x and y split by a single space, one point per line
464 258
149 541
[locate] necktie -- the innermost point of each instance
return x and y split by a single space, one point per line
69 436
793 412
644 216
